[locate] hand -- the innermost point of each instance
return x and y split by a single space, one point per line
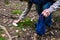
15 22
46 12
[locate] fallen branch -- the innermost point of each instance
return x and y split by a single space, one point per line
4 28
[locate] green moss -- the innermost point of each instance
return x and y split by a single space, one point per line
1 38
16 12
25 23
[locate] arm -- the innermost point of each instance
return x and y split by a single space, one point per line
25 12
55 6
52 8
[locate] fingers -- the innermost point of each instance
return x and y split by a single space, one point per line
46 13
15 22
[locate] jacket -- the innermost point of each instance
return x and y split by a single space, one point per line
55 6
40 1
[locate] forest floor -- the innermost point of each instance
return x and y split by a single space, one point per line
27 31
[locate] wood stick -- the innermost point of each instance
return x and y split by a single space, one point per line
4 28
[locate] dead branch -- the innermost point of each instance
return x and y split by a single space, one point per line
4 28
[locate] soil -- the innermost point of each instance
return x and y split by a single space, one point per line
27 33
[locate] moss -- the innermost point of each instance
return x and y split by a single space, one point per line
16 12
1 38
25 23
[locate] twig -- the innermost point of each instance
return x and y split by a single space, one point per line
4 28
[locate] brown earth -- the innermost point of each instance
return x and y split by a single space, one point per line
27 33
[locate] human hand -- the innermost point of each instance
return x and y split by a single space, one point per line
46 12
15 22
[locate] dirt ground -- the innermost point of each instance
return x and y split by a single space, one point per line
27 33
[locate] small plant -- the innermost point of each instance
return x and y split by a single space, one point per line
1 38
25 23
16 12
